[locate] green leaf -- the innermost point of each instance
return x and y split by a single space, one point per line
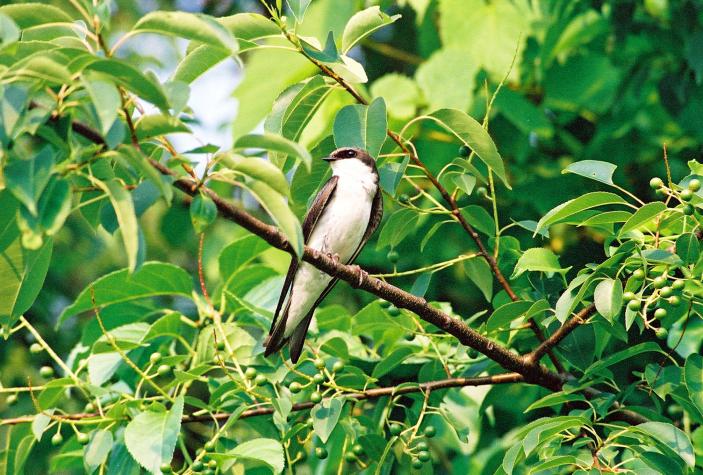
203 212
328 54
26 179
40 422
132 79
276 206
538 259
397 227
151 436
325 416
266 451
295 107
505 314
642 216
29 14
391 173
274 143
693 378
54 205
646 347
123 205
97 450
9 31
156 125
197 61
447 79
258 169
473 135
45 69
240 252
151 280
141 163
401 94
671 437
688 248
593 169
105 98
608 298
191 26
583 202
554 399
389 362
23 274
362 126
660 256
298 8
363 24
480 219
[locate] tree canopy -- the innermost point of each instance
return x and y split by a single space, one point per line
531 303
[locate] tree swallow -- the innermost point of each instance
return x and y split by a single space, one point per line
345 213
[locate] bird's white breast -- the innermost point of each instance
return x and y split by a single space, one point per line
339 230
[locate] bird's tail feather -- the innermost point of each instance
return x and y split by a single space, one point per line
297 339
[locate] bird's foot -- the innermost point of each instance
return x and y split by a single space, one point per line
362 275
334 257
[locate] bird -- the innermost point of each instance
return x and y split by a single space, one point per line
340 220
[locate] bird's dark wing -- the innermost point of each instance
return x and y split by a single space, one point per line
275 340
374 221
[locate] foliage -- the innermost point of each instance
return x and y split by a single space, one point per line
514 141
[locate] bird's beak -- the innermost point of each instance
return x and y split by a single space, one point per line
329 158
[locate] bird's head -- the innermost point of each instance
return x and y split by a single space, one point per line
348 160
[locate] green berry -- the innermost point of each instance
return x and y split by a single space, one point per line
473 354
11 400
197 466
661 333
686 195
638 274
633 305
694 185
260 380
155 357
405 199
688 210
384 303
660 313
89 407
221 346
393 257
56 439
422 445
209 446
295 387
656 183
46 371
393 311
166 468
321 453
357 449
250 373
482 191
659 282
338 366
666 292
163 370
423 456
430 431
309 421
212 464
318 378
36 348
678 284
395 429
82 438
350 457
315 397
674 300
319 363
628 296
464 151
417 464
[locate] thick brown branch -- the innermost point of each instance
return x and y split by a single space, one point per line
563 331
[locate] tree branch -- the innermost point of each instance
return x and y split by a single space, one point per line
506 378
563 331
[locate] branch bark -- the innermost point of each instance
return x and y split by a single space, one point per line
563 331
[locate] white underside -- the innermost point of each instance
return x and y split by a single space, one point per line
339 231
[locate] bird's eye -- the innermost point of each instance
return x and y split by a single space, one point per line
347 153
